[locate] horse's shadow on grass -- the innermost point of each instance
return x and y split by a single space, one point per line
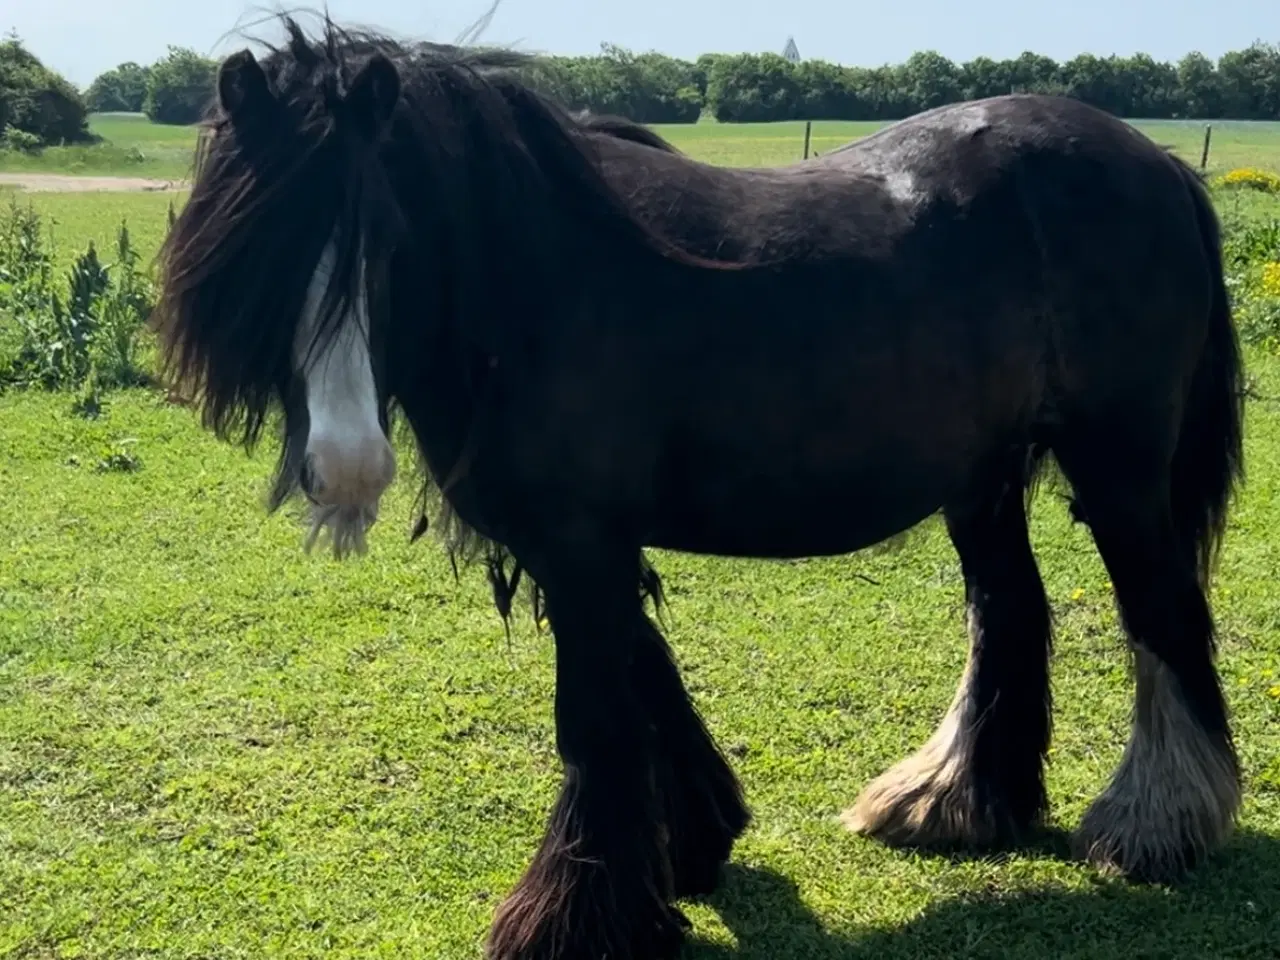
1229 908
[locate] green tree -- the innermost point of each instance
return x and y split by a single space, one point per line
824 92
753 88
702 71
1093 80
930 80
1250 81
1148 88
879 92
38 101
648 87
180 87
1034 73
123 88
1199 87
983 77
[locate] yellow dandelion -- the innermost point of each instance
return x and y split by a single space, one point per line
1251 178
1271 279
1077 593
1274 692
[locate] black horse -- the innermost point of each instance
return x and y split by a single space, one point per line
601 345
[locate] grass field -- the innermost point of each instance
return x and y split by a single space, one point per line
213 746
132 146
137 148
76 219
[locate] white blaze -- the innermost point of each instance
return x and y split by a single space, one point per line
351 462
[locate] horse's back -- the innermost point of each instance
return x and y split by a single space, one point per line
954 285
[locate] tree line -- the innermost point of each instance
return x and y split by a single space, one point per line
744 88
38 104
749 88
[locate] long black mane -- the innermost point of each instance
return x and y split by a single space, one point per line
478 173
511 179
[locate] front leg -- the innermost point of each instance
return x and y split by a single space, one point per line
703 805
601 880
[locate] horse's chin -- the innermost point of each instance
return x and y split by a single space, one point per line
345 526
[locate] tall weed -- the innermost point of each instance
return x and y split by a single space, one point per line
1251 256
83 333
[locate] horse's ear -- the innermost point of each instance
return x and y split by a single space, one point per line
242 86
372 97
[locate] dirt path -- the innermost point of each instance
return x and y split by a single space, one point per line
66 183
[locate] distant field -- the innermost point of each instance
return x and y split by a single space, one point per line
130 128
135 147
80 218
759 144
1234 143
138 148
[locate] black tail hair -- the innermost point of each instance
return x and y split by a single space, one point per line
1208 463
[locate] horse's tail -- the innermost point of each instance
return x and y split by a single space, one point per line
1208 463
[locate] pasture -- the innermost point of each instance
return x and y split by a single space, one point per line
212 745
133 146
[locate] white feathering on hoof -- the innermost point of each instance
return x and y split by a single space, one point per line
346 525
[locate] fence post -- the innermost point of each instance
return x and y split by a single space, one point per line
808 127
1204 154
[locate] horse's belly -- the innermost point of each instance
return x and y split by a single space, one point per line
782 518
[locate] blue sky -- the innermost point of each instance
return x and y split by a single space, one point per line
80 38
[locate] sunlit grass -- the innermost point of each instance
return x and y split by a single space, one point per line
212 745
135 147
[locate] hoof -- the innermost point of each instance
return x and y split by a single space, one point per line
1112 839
933 800
924 805
705 814
581 915
1174 798
1153 828
696 866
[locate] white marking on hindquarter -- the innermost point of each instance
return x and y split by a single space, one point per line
971 119
901 186
351 462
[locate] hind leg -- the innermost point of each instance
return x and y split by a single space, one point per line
978 782
1175 795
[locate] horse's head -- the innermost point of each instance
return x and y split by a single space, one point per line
268 273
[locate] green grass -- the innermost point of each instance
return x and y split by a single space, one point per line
136 128
766 143
132 146
136 147
1234 143
212 745
76 219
